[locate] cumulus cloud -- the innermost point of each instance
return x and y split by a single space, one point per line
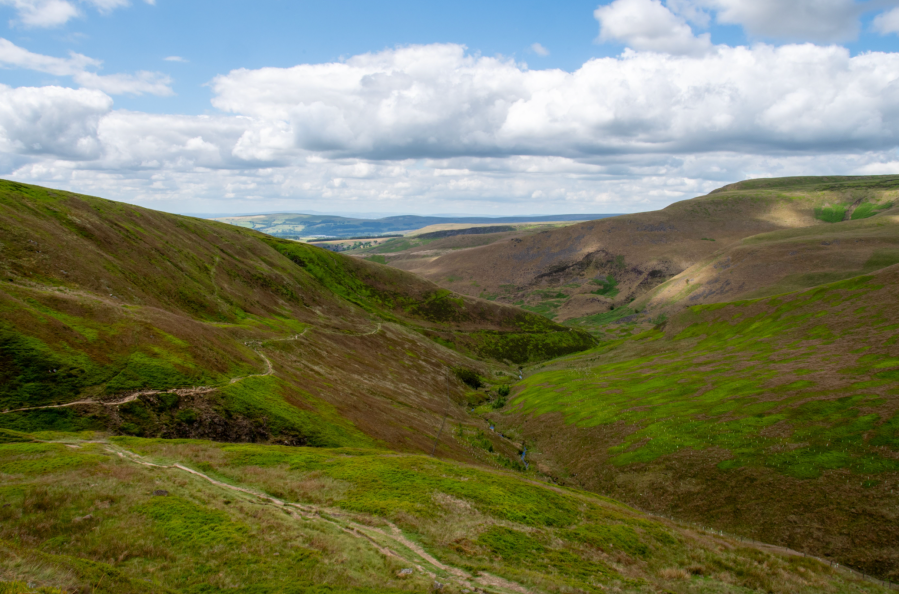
76 65
175 59
804 20
436 101
53 13
42 13
53 121
649 25
436 128
539 49
819 21
887 22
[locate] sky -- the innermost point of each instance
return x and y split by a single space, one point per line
407 107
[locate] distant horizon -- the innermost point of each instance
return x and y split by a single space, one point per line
377 216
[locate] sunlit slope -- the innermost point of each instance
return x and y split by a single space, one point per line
264 339
784 261
130 515
775 418
587 268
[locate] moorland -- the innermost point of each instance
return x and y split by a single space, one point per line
192 406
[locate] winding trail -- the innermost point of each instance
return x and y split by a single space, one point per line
193 390
389 542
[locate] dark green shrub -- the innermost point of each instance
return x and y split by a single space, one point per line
188 416
469 377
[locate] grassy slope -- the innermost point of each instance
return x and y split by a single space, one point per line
775 418
784 261
641 251
100 298
85 515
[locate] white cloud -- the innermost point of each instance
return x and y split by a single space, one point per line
648 25
54 13
43 13
175 59
435 101
539 49
106 6
819 21
12 55
143 82
433 128
803 20
54 121
76 65
887 22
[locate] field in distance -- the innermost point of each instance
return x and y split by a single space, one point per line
304 226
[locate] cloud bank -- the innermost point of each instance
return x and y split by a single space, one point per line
438 128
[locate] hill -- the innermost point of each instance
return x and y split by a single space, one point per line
132 515
785 261
144 323
578 271
307 226
774 418
128 336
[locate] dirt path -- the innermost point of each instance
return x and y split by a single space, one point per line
195 390
390 542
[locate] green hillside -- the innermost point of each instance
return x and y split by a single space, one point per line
191 407
131 515
774 418
161 325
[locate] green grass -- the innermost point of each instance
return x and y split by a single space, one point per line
259 398
546 309
716 384
869 209
608 286
100 528
600 322
831 214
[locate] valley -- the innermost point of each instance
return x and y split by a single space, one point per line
694 381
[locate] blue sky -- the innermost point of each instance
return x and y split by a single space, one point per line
478 107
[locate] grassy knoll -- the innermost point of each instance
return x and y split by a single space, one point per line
772 404
84 514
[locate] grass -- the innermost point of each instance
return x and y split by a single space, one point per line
718 384
831 214
608 286
600 324
869 209
100 528
777 406
160 302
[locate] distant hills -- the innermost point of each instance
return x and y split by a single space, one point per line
750 239
315 226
